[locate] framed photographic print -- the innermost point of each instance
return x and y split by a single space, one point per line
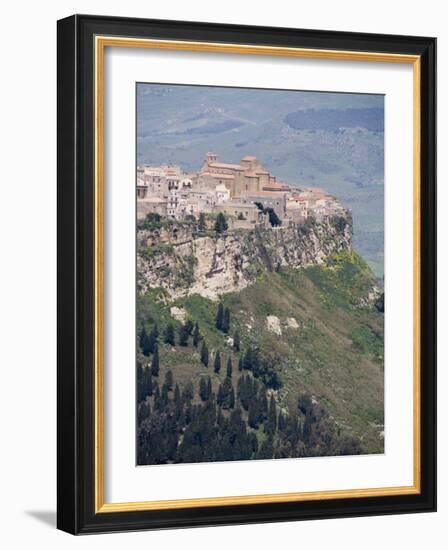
246 274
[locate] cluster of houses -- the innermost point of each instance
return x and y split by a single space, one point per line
240 191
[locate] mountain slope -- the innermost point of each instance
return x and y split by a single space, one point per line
316 327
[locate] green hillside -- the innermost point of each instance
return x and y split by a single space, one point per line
324 346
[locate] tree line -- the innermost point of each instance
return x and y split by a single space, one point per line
233 421
251 359
247 424
148 340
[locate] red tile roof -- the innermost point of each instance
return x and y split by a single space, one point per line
225 165
263 193
276 186
218 176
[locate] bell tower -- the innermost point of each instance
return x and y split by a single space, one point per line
211 157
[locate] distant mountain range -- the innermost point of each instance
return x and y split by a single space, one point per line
315 139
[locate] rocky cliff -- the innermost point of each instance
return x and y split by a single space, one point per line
182 261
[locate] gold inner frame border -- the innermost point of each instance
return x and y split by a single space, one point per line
100 44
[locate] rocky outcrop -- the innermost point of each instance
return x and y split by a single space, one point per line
183 262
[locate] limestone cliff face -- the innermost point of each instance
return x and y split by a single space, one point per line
183 262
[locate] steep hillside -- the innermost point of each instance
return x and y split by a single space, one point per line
177 257
305 329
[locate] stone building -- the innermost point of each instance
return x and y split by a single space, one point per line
296 211
142 188
267 199
247 177
238 210
234 189
151 205
222 193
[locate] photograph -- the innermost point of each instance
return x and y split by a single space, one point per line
246 257
220 288
259 273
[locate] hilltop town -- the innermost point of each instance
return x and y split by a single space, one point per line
245 193
236 267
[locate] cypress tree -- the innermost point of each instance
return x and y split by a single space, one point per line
231 397
240 364
203 394
217 364
229 367
196 335
189 326
239 387
153 336
169 380
187 393
236 341
219 316
157 402
221 223
145 343
140 382
248 359
164 396
148 382
144 383
253 387
226 395
141 337
183 335
220 396
179 408
187 412
204 354
274 220
245 391
169 337
202 225
209 387
176 393
253 415
226 320
255 364
177 402
155 362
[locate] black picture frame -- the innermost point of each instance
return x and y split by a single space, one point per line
76 255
